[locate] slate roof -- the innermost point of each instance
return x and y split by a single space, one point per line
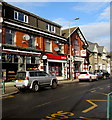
92 45
65 32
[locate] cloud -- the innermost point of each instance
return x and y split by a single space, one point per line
105 14
98 32
88 7
95 32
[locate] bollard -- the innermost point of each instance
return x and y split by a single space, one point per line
3 87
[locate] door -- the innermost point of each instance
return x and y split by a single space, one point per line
43 78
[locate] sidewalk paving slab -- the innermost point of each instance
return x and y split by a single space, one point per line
10 89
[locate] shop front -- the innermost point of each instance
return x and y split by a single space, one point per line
78 66
15 60
56 66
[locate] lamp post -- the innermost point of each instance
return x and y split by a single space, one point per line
70 50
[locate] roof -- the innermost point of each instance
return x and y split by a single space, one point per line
65 32
92 45
43 19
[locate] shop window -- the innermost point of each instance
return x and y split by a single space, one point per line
15 59
9 37
37 59
55 69
28 60
33 60
20 16
32 42
48 45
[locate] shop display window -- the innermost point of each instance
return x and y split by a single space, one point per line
55 69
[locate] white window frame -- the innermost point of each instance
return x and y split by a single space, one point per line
25 17
50 42
62 48
50 28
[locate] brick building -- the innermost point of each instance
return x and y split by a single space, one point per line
31 42
77 51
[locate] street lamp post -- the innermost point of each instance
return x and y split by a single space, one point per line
70 49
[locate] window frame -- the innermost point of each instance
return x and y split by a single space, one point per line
25 18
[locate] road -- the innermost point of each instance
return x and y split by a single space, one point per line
78 100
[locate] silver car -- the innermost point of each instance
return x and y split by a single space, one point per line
34 79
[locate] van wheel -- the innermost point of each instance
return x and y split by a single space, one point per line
54 85
35 87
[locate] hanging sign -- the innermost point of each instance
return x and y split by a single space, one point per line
83 53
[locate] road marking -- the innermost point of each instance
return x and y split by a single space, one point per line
90 108
102 93
93 91
59 115
88 118
94 105
7 97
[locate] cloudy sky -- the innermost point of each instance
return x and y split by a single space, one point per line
94 16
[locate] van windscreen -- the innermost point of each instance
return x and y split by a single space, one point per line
21 75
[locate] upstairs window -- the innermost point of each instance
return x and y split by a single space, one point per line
48 45
32 42
20 16
50 28
76 46
9 37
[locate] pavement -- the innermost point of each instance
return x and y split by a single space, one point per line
10 89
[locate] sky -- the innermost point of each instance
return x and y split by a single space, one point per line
94 16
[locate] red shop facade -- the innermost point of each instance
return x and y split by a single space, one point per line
56 65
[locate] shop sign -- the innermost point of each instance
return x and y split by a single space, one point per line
83 53
59 57
79 59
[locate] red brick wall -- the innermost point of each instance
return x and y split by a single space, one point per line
19 39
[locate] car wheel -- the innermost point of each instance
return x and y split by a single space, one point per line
54 85
90 80
35 87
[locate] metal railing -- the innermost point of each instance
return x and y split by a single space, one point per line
109 106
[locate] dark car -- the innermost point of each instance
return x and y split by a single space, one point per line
102 74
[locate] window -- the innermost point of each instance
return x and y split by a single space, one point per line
76 46
42 74
20 16
37 60
28 60
9 37
50 28
32 42
62 48
48 45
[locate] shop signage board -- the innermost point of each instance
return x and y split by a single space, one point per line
59 57
83 53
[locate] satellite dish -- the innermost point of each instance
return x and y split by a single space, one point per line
26 37
56 49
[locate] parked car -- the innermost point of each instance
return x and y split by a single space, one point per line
87 76
34 79
99 74
103 73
